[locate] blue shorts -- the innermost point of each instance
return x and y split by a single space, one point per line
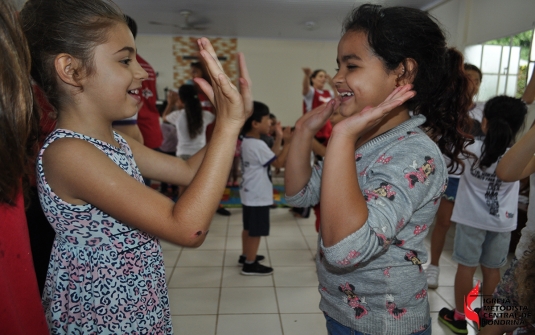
451 190
473 246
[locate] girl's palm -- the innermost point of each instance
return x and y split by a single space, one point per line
369 117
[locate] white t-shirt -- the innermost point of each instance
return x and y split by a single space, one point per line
483 201
256 188
477 112
187 145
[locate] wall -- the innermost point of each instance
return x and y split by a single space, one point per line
275 67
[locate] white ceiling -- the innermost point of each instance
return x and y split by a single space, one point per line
286 19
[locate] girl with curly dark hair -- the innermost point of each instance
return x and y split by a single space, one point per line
405 97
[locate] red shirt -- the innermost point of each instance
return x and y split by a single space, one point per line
320 98
148 118
21 311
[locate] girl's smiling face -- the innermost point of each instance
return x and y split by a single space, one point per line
362 79
114 89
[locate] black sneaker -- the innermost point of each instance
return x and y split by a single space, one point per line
259 258
222 211
457 326
256 269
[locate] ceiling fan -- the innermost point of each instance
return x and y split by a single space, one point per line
186 25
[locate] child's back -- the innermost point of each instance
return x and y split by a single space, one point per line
256 188
483 200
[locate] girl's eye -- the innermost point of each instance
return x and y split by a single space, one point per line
126 61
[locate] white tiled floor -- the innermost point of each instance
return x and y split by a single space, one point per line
209 296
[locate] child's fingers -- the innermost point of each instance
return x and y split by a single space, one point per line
206 88
245 84
228 90
204 44
247 96
244 72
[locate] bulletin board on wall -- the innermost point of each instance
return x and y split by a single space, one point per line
186 51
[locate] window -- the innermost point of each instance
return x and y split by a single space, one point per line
506 63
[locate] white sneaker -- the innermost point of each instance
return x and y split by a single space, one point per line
432 273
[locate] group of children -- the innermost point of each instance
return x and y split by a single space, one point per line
377 193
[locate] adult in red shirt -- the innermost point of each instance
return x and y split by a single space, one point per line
314 95
21 311
148 117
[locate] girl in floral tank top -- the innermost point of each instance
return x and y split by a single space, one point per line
106 272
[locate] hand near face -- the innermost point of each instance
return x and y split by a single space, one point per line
314 120
287 135
232 105
172 97
359 123
278 130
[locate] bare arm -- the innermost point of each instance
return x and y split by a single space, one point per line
306 80
283 154
298 169
519 161
529 92
340 219
172 98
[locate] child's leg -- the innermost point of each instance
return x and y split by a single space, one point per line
250 247
494 256
442 225
463 284
255 225
467 251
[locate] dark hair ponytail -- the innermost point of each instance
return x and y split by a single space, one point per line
192 105
504 117
399 34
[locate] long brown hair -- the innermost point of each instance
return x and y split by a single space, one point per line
19 117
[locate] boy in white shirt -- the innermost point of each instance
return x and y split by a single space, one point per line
256 189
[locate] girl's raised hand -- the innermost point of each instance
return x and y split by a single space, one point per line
230 105
359 123
316 118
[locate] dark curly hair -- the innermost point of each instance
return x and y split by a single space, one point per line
397 34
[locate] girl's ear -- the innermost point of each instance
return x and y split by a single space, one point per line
406 72
67 68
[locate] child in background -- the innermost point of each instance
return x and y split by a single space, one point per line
516 285
106 273
443 217
256 189
169 143
383 174
482 237
190 122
